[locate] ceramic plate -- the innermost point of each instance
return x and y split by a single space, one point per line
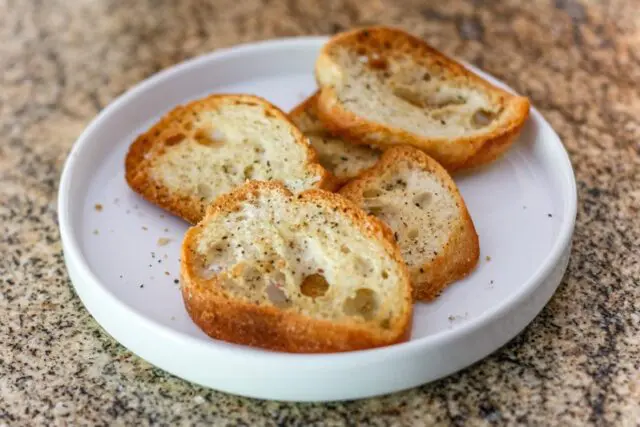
122 252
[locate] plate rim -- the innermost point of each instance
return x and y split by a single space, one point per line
74 254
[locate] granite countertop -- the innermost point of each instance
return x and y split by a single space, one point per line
579 62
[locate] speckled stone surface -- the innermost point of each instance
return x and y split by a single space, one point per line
578 363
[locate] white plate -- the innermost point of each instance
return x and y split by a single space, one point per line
523 206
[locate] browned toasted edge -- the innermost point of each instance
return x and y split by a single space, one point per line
492 149
306 106
481 149
266 326
461 252
152 143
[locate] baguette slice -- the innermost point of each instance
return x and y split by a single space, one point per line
418 200
383 86
210 146
307 273
341 158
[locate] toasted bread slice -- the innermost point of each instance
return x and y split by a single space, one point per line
341 158
210 146
418 200
383 86
306 273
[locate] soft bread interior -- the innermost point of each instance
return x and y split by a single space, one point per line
211 151
417 207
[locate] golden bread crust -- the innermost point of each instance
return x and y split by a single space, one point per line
452 152
459 255
171 129
266 326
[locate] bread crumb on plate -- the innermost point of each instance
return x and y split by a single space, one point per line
162 241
